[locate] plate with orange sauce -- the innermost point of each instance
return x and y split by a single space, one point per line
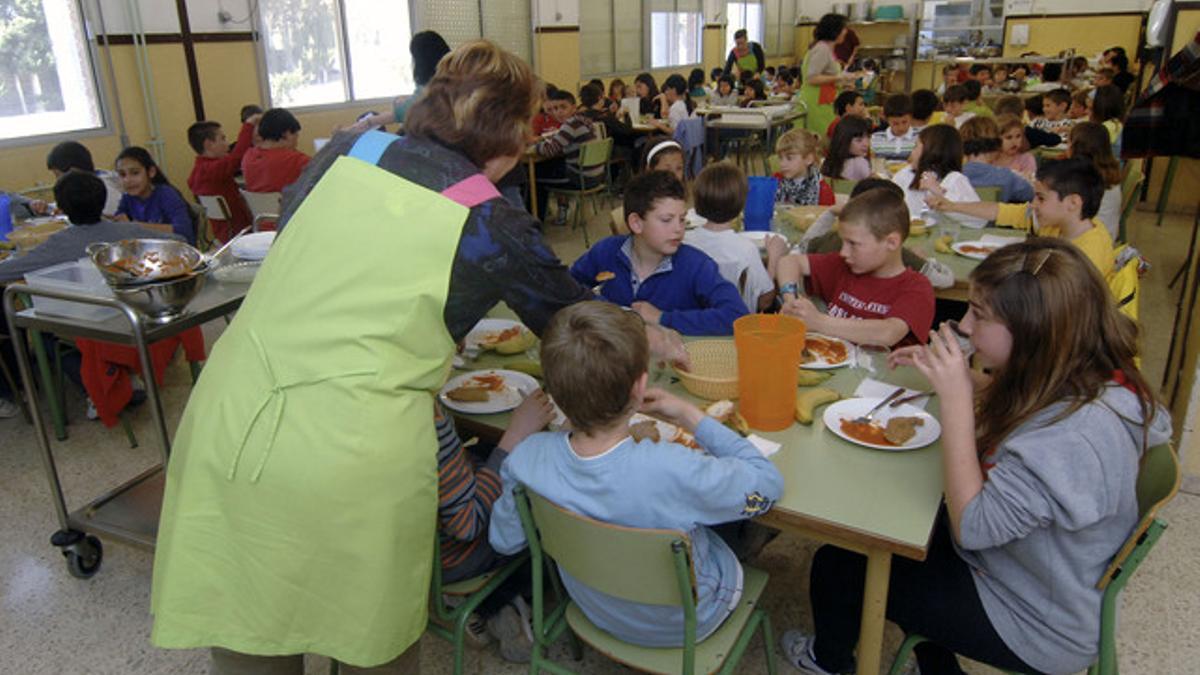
925 429
483 392
822 352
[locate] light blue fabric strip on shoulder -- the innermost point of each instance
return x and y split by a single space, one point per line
370 146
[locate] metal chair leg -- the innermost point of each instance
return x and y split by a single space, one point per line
57 417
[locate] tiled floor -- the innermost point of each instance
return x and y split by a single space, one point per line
53 623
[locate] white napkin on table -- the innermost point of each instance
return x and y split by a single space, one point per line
766 447
870 388
999 239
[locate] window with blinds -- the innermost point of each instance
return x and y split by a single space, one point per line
630 35
506 22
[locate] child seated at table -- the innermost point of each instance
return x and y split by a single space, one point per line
954 105
467 491
935 164
70 155
81 196
849 149
216 164
924 109
822 236
975 104
981 146
595 359
898 139
1068 195
870 296
1014 154
1040 479
1079 106
275 162
1054 117
1090 140
720 192
563 147
149 197
725 94
665 155
800 181
652 271
847 103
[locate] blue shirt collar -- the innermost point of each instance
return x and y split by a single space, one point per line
664 266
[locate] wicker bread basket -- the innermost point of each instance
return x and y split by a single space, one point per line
714 372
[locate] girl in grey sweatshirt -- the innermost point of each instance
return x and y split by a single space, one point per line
1040 463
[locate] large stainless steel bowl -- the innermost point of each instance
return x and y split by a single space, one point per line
138 261
164 300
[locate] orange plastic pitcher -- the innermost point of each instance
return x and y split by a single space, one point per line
768 352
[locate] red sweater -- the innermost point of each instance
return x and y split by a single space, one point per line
272 169
214 176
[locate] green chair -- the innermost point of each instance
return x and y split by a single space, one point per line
450 623
1131 185
11 381
591 155
1157 482
843 186
988 193
639 565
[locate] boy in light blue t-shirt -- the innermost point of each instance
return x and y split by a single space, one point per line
595 359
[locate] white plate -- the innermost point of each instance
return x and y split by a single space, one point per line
976 255
853 407
242 272
485 328
516 387
822 364
253 246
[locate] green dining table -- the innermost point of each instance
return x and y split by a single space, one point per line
874 502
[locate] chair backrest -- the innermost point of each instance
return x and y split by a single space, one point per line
263 203
215 207
595 153
1131 183
202 226
988 193
843 186
1157 482
638 565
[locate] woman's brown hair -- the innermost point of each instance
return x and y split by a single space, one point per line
480 102
1090 140
1069 340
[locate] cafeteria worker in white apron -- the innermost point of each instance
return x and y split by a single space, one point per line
301 495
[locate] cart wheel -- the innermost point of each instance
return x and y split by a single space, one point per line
83 559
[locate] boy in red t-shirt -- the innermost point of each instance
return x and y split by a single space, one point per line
870 296
215 167
275 162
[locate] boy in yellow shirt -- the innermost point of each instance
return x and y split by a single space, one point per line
1067 196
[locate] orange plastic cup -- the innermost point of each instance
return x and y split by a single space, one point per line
768 352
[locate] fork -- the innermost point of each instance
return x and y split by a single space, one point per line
866 419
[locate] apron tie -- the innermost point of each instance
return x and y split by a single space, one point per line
277 394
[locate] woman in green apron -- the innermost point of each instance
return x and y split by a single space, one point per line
300 504
747 56
822 74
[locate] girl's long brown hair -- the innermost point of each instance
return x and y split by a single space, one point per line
941 152
1090 140
1068 338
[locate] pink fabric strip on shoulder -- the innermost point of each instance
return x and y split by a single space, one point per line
472 191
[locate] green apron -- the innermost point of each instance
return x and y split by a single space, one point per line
820 115
301 497
748 62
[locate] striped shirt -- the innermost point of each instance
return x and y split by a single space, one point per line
566 142
466 492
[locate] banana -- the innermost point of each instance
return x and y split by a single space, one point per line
516 344
808 401
942 244
527 366
811 378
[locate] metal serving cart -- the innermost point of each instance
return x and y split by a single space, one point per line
130 511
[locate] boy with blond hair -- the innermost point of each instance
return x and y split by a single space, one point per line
652 271
799 172
870 296
595 358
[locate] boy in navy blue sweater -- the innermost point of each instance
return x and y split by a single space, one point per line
653 272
